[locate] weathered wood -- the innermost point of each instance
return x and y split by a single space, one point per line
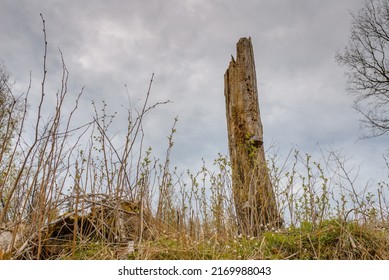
252 189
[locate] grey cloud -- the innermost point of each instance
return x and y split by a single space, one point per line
188 44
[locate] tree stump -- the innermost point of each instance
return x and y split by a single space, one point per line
253 193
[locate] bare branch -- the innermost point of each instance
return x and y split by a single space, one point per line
367 65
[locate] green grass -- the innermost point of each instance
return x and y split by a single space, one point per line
331 240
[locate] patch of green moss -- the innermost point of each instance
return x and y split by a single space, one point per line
89 251
331 239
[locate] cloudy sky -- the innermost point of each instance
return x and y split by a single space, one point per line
188 45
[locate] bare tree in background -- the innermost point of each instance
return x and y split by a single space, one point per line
366 60
10 111
5 104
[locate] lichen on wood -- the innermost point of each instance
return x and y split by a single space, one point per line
252 189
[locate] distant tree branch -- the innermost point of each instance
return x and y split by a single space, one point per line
365 58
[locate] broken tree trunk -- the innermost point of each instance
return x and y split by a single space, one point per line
254 198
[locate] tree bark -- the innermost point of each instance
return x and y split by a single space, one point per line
253 193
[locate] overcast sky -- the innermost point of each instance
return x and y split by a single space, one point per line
188 45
